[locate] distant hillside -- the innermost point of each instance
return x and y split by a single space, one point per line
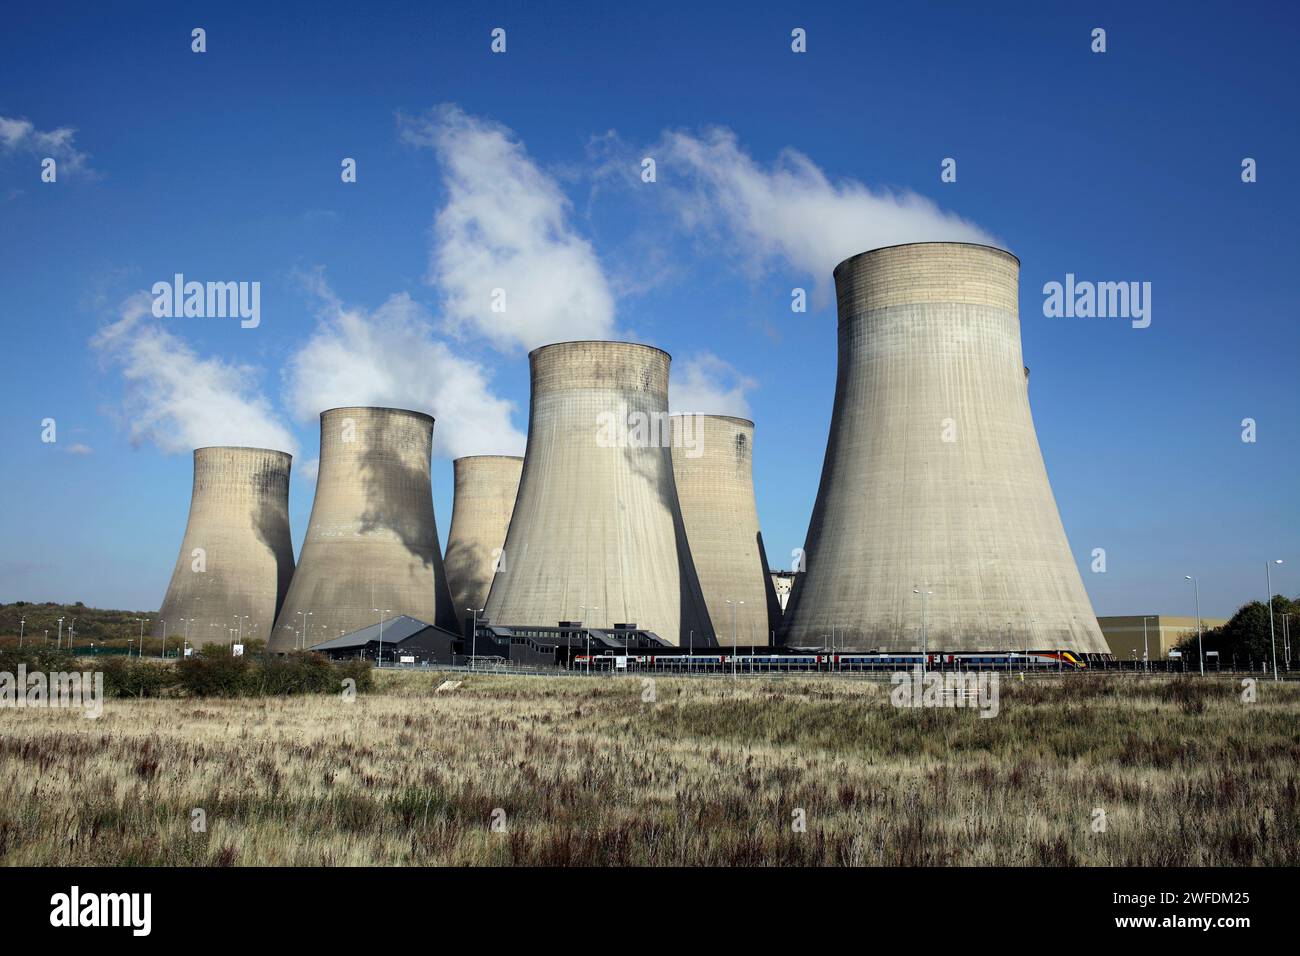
92 623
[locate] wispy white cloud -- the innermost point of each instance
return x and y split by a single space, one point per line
391 357
707 385
506 226
78 448
178 400
791 212
21 136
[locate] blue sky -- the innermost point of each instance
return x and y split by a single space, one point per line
225 165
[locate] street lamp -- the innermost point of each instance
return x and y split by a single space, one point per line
924 595
1268 580
1146 648
1200 647
22 627
584 609
473 638
58 642
303 630
141 651
734 655
381 613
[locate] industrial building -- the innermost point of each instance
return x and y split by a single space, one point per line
597 534
934 523
397 640
236 557
713 465
783 584
1133 637
484 499
371 549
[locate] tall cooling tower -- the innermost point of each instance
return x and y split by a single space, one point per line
236 557
933 479
596 522
713 463
486 486
372 541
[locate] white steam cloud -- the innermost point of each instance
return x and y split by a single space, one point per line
21 136
506 227
389 357
792 212
178 400
707 385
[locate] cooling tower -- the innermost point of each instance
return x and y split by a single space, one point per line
596 522
480 516
236 557
933 479
372 541
713 464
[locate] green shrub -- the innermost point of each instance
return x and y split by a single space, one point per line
214 673
359 671
135 678
208 674
298 673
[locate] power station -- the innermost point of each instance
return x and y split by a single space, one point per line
597 531
713 465
236 557
485 491
371 549
934 525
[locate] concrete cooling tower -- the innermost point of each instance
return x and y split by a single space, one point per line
480 516
596 522
372 541
933 480
236 557
713 464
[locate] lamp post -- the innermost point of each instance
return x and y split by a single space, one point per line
381 613
58 641
584 609
1200 647
22 627
733 635
306 624
473 637
924 595
1272 639
141 652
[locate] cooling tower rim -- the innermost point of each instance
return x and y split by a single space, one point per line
267 451
639 345
456 461
903 245
724 418
378 408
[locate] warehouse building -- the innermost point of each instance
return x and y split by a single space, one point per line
398 640
1157 634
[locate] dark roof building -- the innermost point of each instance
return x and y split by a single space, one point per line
404 640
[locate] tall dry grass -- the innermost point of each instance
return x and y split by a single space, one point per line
712 772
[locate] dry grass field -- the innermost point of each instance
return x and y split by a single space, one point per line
711 772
